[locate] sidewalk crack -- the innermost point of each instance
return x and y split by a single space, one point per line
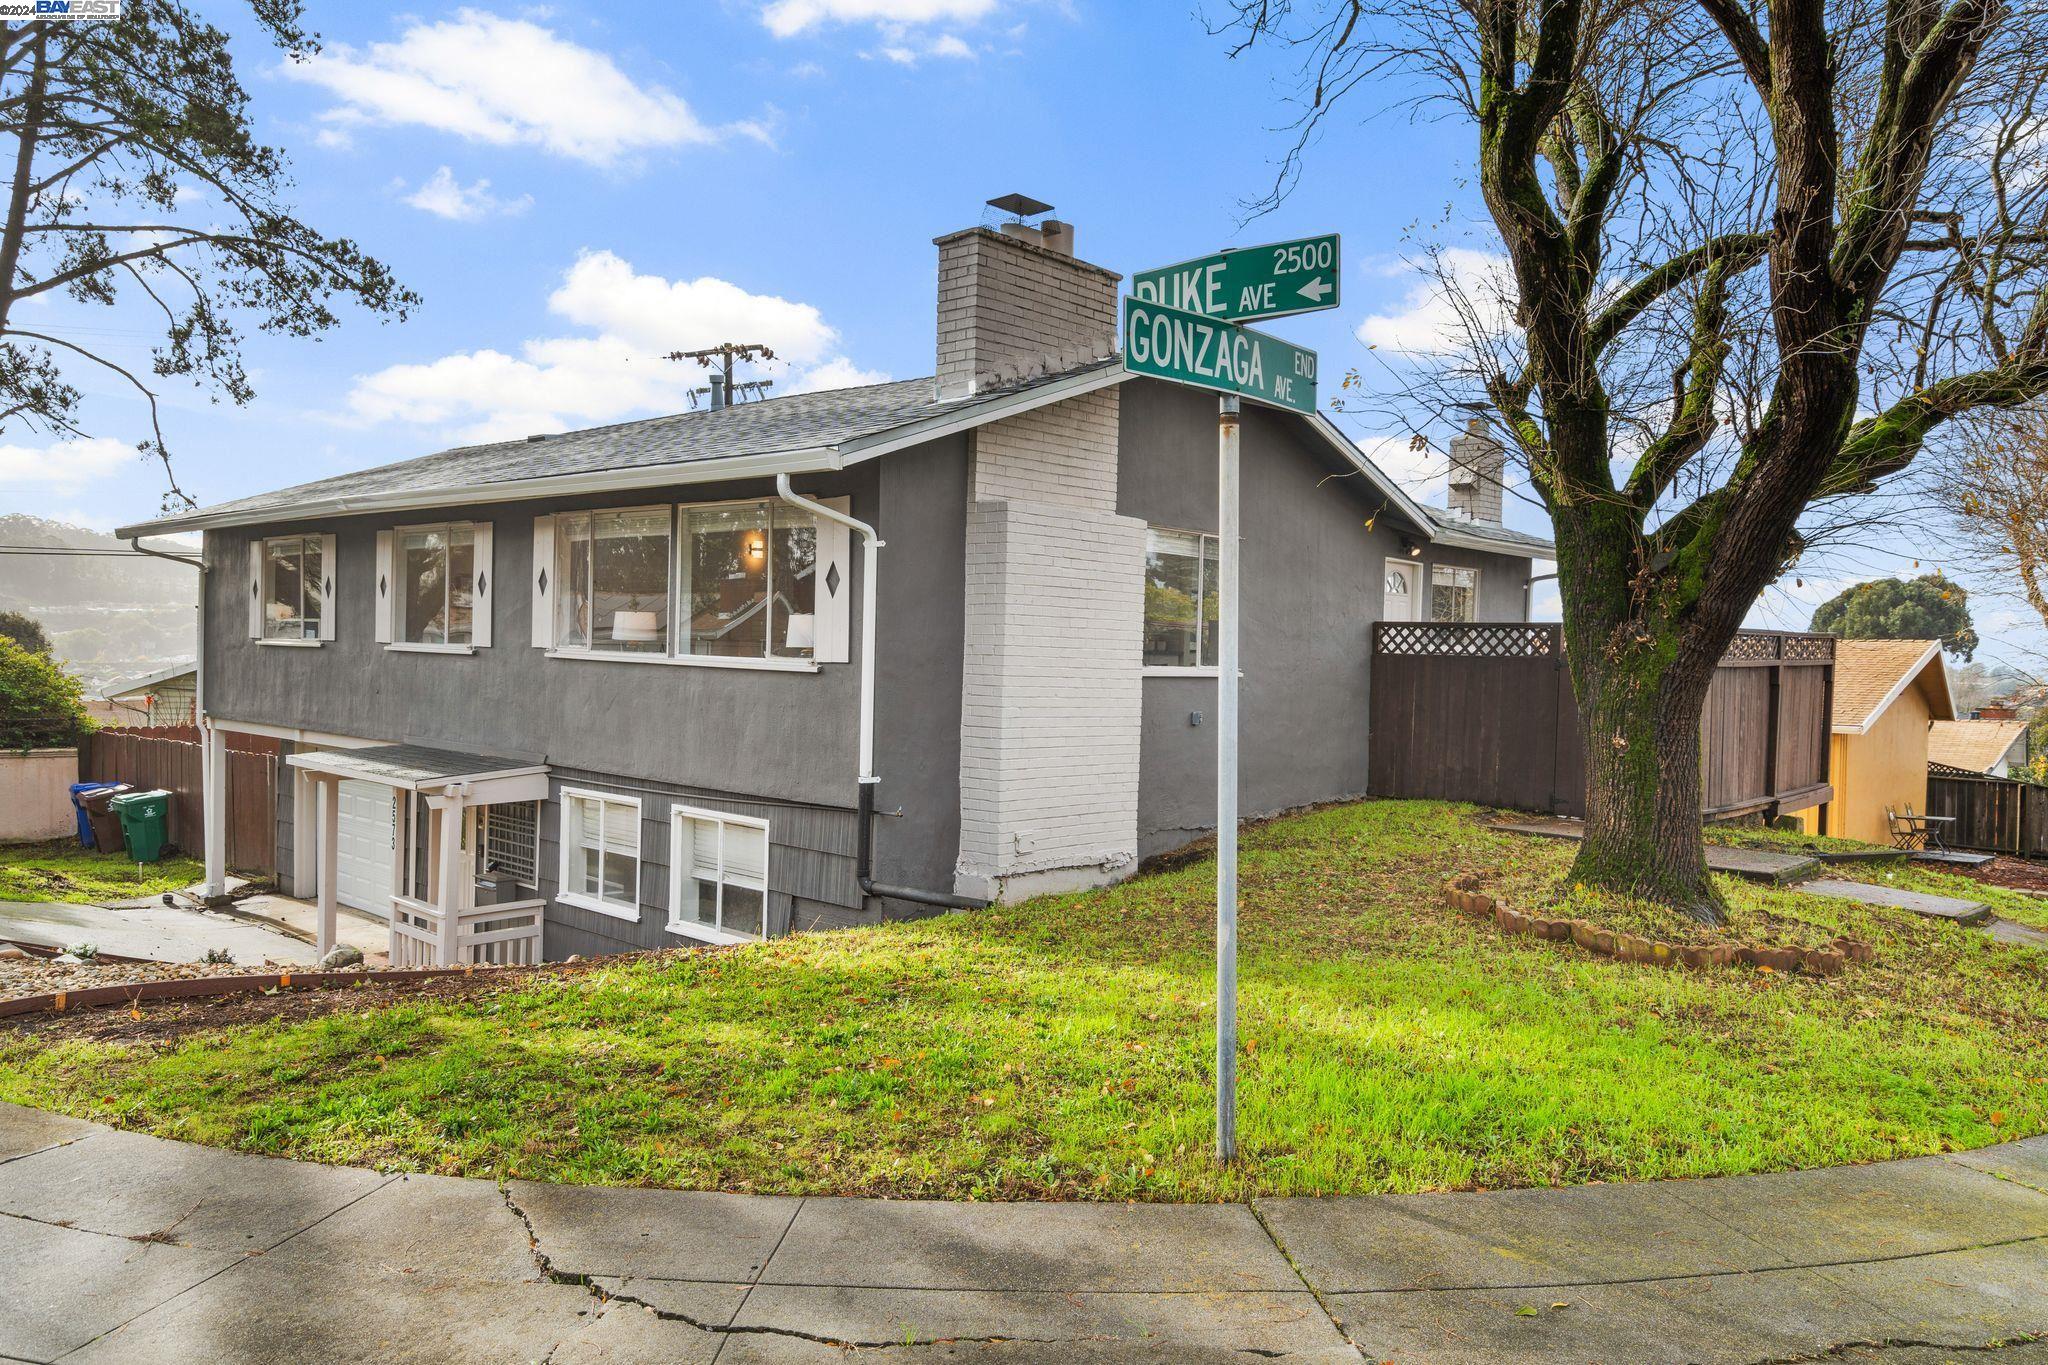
1336 1324
1841 1349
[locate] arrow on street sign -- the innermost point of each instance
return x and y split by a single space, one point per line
1169 343
1270 281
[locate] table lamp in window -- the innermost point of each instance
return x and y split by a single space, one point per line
803 631
634 624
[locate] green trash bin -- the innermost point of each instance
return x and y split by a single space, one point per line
145 823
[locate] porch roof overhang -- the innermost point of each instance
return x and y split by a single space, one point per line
414 768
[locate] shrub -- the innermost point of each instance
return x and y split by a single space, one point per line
41 706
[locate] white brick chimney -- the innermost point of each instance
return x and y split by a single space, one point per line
1478 466
1016 303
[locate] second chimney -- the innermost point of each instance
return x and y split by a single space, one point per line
1016 303
1478 467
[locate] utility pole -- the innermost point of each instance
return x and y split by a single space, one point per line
723 390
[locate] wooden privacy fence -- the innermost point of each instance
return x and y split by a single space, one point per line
170 758
1484 712
1992 814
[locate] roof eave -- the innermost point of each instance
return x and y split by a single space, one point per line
971 415
810 460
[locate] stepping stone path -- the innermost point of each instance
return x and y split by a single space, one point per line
1972 913
1752 864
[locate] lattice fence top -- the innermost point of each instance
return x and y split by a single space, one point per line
1543 640
1504 640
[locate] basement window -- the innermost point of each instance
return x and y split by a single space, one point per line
718 876
601 853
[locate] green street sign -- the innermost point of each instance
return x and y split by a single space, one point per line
1168 343
1253 282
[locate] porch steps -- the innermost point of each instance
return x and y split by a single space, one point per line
1972 913
1751 864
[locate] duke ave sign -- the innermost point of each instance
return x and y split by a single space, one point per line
1181 323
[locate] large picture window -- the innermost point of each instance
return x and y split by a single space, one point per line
749 581
718 876
1180 599
614 572
1453 593
437 584
742 578
601 853
292 570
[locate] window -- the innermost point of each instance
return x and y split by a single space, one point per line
1453 593
749 586
718 876
744 576
437 584
614 572
1180 599
601 853
510 843
292 572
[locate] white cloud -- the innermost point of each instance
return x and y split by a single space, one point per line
786 18
506 82
445 197
67 467
557 383
1431 319
908 50
1423 474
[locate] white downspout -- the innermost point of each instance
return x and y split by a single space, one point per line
870 561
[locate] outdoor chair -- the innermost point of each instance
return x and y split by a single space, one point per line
1930 829
1908 831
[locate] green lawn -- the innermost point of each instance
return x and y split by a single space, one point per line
1062 1048
62 871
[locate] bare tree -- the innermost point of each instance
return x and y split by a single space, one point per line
1754 255
1995 489
135 168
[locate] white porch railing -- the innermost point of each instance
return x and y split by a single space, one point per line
497 935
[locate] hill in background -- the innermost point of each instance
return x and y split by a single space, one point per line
108 617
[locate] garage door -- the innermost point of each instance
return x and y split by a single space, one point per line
365 835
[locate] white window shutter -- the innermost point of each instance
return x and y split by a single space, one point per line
387 589
255 588
328 578
486 577
834 587
544 587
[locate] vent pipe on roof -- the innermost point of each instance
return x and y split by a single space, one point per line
717 392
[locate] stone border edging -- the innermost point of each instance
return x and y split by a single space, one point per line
1462 893
185 988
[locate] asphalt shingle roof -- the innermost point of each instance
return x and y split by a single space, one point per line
1487 530
1976 745
802 421
1867 671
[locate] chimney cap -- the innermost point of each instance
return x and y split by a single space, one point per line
1023 205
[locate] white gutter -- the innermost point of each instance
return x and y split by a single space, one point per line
869 566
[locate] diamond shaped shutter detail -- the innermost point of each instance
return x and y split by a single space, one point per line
835 587
254 589
327 580
543 582
486 576
385 588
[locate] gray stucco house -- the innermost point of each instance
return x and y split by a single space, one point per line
605 689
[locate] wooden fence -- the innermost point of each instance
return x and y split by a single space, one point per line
1484 712
170 758
1992 814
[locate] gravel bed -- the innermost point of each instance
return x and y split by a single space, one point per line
40 976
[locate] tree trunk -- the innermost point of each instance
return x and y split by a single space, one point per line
1641 728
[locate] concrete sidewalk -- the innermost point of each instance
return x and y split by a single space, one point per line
121 1247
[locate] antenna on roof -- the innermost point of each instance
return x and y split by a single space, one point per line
724 390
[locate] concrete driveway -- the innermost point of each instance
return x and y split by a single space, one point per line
117 1247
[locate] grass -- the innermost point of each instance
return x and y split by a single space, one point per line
1062 1048
60 870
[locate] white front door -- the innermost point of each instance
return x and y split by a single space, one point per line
368 830
1401 594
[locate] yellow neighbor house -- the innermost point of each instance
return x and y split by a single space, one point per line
1886 694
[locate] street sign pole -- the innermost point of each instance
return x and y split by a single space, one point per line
1226 777
1182 324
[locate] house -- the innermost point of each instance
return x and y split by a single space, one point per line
821 659
1885 694
1994 747
165 696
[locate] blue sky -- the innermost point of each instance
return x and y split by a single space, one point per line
575 189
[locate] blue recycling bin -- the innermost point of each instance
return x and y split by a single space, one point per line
79 789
